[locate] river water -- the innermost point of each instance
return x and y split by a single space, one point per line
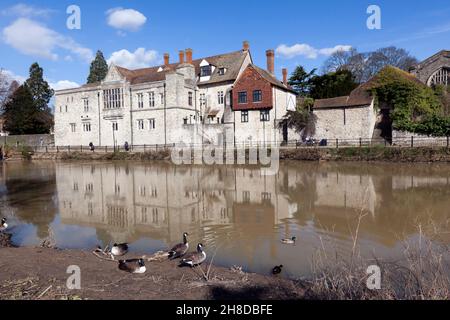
238 214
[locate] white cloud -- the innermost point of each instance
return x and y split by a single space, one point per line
24 10
126 19
308 51
63 84
141 58
32 38
12 76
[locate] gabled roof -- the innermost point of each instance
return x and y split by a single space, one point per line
231 61
444 53
266 75
358 98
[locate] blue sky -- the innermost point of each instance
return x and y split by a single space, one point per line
36 31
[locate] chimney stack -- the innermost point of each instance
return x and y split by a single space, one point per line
270 54
245 46
181 56
166 59
285 75
189 56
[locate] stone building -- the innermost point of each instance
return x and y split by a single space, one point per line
435 70
191 101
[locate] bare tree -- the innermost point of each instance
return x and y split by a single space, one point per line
7 87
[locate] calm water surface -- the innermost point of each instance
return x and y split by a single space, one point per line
236 211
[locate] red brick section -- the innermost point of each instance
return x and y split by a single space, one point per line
189 55
249 81
166 59
181 55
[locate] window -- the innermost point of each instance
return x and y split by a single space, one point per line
151 124
242 97
113 98
73 127
115 126
66 108
205 71
265 115
190 98
220 97
140 124
140 98
151 99
221 71
202 100
244 116
60 109
86 104
257 96
161 96
246 196
87 127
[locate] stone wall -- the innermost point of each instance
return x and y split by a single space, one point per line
29 140
427 68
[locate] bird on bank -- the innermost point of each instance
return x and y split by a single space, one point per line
289 241
180 249
277 269
119 249
195 258
3 225
132 265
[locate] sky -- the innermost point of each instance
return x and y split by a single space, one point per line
137 33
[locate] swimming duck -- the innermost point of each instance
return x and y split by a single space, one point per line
277 269
194 258
3 225
132 265
289 241
180 249
119 249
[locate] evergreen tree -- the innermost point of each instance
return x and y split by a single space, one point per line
99 68
38 87
300 80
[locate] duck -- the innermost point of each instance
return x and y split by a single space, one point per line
180 249
3 225
289 241
119 249
133 265
277 269
195 258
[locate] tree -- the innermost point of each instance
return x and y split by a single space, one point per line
331 85
300 80
99 68
302 120
38 87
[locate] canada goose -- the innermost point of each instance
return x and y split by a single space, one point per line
289 241
119 249
3 225
277 269
194 258
180 249
132 265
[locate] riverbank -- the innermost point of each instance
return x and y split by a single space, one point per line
353 154
40 273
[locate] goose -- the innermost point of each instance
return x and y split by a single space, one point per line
3 225
194 258
289 241
132 265
180 249
119 249
277 269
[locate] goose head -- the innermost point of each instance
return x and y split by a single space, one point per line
200 247
3 221
141 263
185 237
294 239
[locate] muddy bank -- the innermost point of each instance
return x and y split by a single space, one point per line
367 154
40 273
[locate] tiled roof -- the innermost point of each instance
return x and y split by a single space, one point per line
357 98
231 61
272 79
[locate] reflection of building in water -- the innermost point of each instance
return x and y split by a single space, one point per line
164 201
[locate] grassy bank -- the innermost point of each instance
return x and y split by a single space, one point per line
376 153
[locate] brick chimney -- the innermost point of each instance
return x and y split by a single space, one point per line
189 55
245 46
270 54
285 75
166 59
181 56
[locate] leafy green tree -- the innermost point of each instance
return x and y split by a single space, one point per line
22 115
99 68
300 80
302 120
38 87
331 85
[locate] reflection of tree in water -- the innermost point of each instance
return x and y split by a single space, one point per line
32 200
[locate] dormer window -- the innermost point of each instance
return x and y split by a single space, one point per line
205 71
222 71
